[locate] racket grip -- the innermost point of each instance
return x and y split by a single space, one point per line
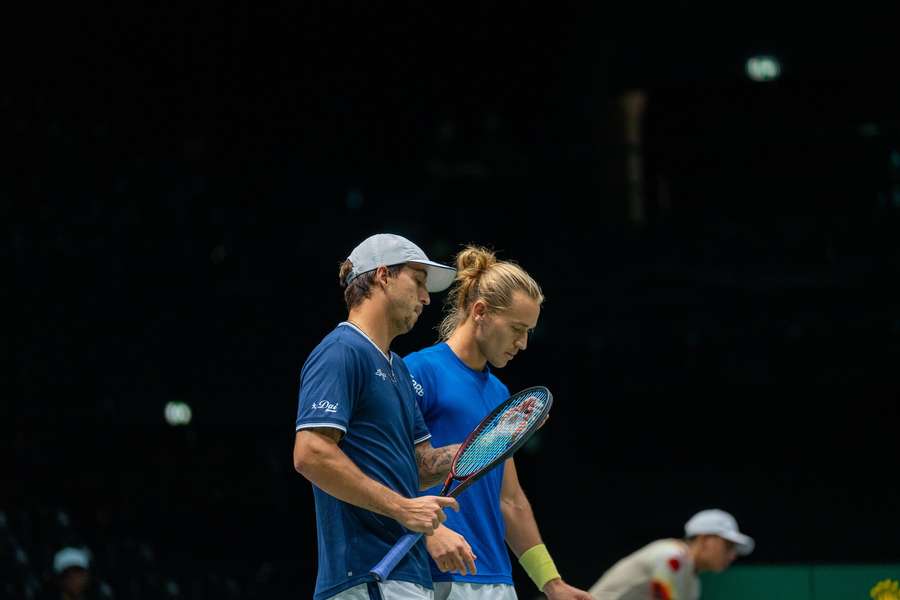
394 555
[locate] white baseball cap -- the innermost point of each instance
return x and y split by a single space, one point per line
720 523
387 249
71 557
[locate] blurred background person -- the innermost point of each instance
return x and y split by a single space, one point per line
72 579
667 569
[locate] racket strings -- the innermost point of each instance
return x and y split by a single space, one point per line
501 433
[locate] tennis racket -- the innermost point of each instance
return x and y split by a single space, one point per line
494 440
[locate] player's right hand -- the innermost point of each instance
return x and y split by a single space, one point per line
425 513
450 551
515 420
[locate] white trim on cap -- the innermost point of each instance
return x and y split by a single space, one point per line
440 277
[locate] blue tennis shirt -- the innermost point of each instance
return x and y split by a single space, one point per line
347 383
454 399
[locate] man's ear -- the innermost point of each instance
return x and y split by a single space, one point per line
382 276
479 310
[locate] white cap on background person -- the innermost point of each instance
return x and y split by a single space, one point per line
718 522
71 557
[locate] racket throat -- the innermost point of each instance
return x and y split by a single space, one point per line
447 483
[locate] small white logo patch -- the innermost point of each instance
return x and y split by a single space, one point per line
325 405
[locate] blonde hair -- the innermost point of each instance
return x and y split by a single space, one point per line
479 275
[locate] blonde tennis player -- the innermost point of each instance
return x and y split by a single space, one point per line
492 308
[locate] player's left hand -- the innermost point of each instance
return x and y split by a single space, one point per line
557 589
515 420
450 551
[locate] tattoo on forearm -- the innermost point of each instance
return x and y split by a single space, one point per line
434 463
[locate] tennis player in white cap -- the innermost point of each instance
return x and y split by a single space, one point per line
361 440
667 569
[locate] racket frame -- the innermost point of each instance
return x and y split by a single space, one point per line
390 560
464 482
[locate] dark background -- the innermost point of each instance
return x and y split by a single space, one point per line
181 185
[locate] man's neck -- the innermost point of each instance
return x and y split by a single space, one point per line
374 325
462 342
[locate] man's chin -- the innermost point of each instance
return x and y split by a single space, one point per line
410 323
499 364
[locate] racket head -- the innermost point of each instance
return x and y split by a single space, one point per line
498 436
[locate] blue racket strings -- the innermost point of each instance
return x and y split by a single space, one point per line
504 430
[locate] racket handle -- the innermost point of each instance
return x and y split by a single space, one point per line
394 555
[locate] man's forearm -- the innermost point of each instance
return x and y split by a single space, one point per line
521 528
524 539
434 463
326 465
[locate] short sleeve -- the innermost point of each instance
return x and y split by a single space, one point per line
420 430
671 572
329 384
422 382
